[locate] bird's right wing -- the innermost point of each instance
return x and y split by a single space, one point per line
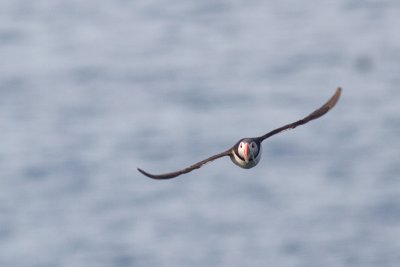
186 170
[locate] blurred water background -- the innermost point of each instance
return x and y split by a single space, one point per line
91 90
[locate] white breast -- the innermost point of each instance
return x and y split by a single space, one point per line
246 165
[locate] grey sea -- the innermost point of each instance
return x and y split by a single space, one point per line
91 90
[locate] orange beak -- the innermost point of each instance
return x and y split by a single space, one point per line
246 152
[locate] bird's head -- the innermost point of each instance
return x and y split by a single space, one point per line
248 149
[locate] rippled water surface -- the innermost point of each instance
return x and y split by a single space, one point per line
89 91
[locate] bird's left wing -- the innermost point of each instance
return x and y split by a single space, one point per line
188 169
314 115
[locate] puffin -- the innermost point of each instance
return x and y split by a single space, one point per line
246 153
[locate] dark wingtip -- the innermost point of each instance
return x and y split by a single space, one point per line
327 106
144 173
332 102
153 176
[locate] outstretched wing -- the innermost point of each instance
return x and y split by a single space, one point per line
188 169
314 115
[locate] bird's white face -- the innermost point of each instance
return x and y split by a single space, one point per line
248 150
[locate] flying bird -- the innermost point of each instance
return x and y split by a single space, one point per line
246 153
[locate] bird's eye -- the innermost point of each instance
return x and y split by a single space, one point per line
252 145
241 145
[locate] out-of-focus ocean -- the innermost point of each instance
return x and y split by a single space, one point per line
91 90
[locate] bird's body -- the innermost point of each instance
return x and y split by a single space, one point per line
243 159
246 153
